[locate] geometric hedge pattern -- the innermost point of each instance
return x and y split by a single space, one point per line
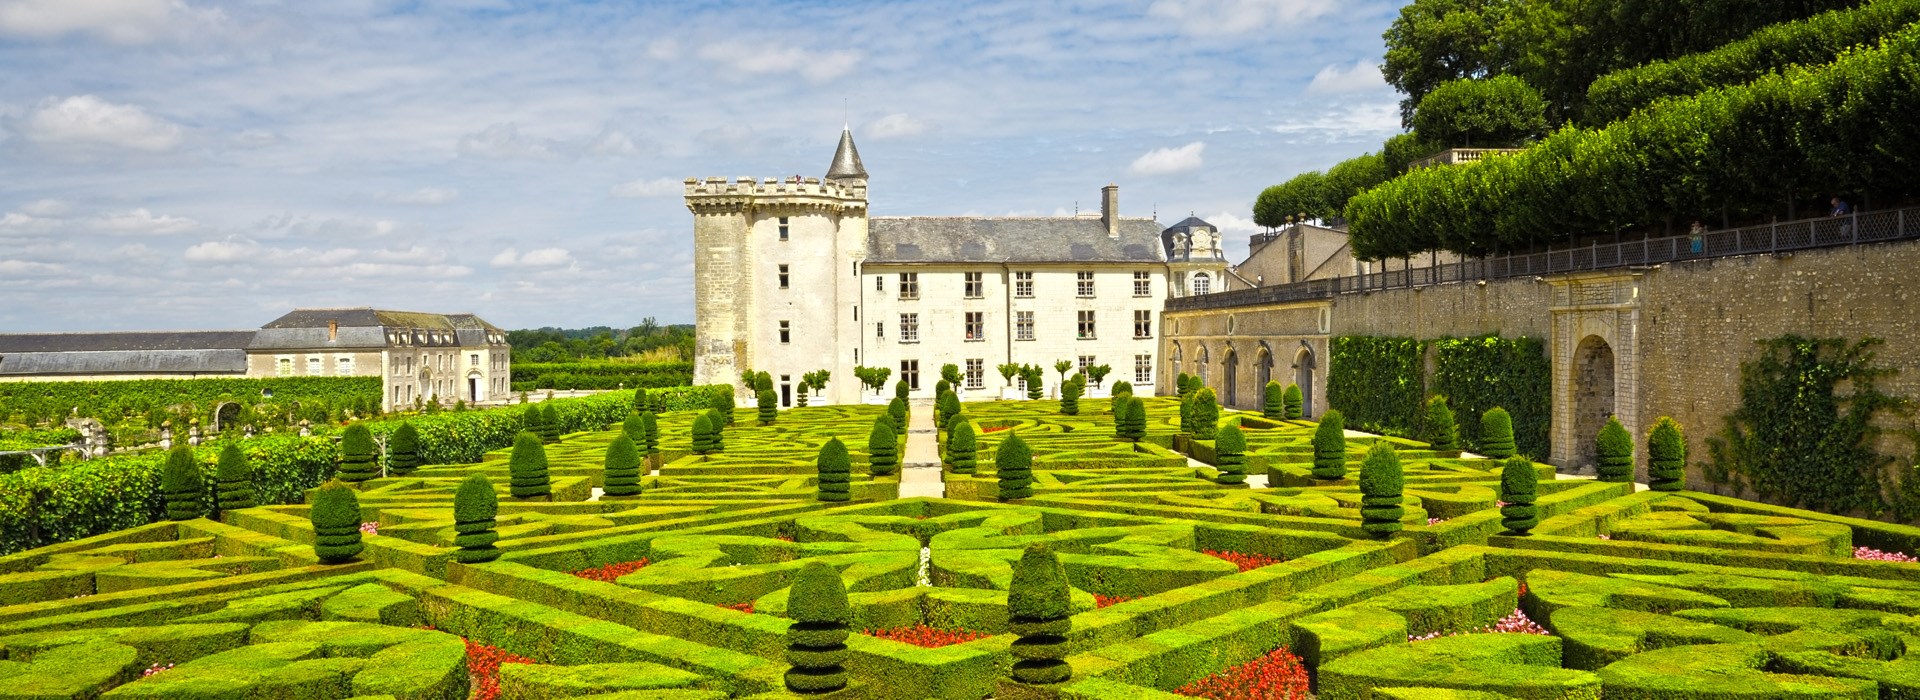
681 592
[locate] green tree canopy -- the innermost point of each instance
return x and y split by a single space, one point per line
1497 112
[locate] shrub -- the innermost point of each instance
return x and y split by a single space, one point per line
635 428
1070 391
336 523
883 450
533 421
623 467
1501 111
1184 384
1131 425
652 424
1330 447
1381 482
1496 433
528 468
946 407
719 421
769 405
1121 390
1296 403
1666 456
961 446
897 412
1036 383
403 450
835 470
762 381
236 479
1613 448
816 641
1442 433
550 427
1040 609
723 404
950 373
942 386
1519 485
1186 413
475 506
1230 455
1014 464
358 460
1206 415
183 486
1273 402
703 442
900 390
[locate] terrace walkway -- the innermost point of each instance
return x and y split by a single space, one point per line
920 461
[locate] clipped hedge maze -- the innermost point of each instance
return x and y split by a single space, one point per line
683 590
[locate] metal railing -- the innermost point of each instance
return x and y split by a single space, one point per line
1824 232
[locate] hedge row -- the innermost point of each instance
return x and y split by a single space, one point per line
1477 374
530 376
1842 127
113 401
1377 382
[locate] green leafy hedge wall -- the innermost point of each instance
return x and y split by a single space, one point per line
532 376
113 401
1476 374
1377 382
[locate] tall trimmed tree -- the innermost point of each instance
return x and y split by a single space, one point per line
1381 483
1206 415
533 419
182 485
1133 425
623 468
1013 463
236 479
962 448
816 641
836 469
1666 456
650 447
946 407
1118 398
635 428
897 413
1519 489
527 466
883 449
1274 402
475 506
1036 382
1296 403
1070 391
1496 433
719 421
1443 434
722 401
550 426
900 389
358 459
703 442
403 450
1040 610
1613 449
769 405
1330 447
335 515
1184 385
1230 455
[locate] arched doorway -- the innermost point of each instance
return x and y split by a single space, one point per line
1230 377
1200 366
225 415
1593 390
1173 365
476 387
1303 366
1262 370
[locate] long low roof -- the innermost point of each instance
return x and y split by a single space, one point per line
123 340
1061 239
214 361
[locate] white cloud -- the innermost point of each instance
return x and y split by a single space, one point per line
254 138
139 221
311 227
116 21
613 144
505 142
47 207
645 189
1167 161
86 120
1339 78
1343 123
24 267
895 126
424 195
544 257
414 262
222 251
143 221
1227 17
766 59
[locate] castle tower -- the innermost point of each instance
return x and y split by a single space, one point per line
776 276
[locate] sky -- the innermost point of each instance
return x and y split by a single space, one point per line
195 164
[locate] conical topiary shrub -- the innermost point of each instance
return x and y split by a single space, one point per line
475 506
650 447
723 404
1014 464
719 421
1206 415
1125 424
1036 383
1330 447
532 419
528 467
1070 392
358 460
883 448
336 523
1443 435
1666 456
1186 413
235 490
816 641
1381 482
1496 433
550 427
900 390
1040 610
1273 402
1118 399
703 442
1519 486
403 450
1613 449
962 447
1296 403
946 407
635 428
897 412
769 405
623 468
1185 385
1230 455
183 486
836 470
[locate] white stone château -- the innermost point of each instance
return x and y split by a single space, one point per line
792 275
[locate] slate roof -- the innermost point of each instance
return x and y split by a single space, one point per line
846 159
1190 223
364 316
124 352
945 239
123 340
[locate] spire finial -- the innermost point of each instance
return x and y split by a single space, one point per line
846 159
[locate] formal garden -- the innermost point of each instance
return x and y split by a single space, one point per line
669 544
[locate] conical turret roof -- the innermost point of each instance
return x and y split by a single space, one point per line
846 160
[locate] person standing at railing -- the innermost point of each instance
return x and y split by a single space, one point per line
1841 208
1697 237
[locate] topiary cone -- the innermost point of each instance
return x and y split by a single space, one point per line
528 467
650 446
703 435
1273 402
403 450
1136 426
1666 456
1230 456
1443 435
1330 447
1040 610
816 641
236 479
635 428
336 523
182 485
962 447
897 411
1496 433
549 423
1381 482
1295 403
883 454
358 461
719 423
836 470
1519 488
1206 415
1613 449
475 506
622 468
769 405
1013 463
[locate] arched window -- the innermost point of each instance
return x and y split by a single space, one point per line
1200 283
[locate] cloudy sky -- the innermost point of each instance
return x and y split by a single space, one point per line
212 163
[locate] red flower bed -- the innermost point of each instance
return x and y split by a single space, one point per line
1276 676
924 636
746 607
611 572
483 664
994 429
784 538
1107 600
1246 562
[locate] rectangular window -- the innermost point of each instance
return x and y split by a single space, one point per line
879 330
879 283
783 277
1142 283
976 288
909 285
1086 325
1023 325
909 328
786 332
976 325
472 361
1083 284
910 373
856 313
285 368
343 366
783 228
1085 362
313 366
1143 323
976 373
1142 370
1023 285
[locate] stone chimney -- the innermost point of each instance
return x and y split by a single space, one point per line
333 330
1110 209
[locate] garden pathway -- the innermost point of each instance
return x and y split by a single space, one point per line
920 461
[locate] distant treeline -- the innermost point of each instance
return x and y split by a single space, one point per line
590 374
647 342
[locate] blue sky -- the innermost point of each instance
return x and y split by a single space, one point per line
203 164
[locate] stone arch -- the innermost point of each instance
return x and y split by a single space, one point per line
476 387
224 415
1593 391
1304 365
1200 364
1262 369
1230 377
